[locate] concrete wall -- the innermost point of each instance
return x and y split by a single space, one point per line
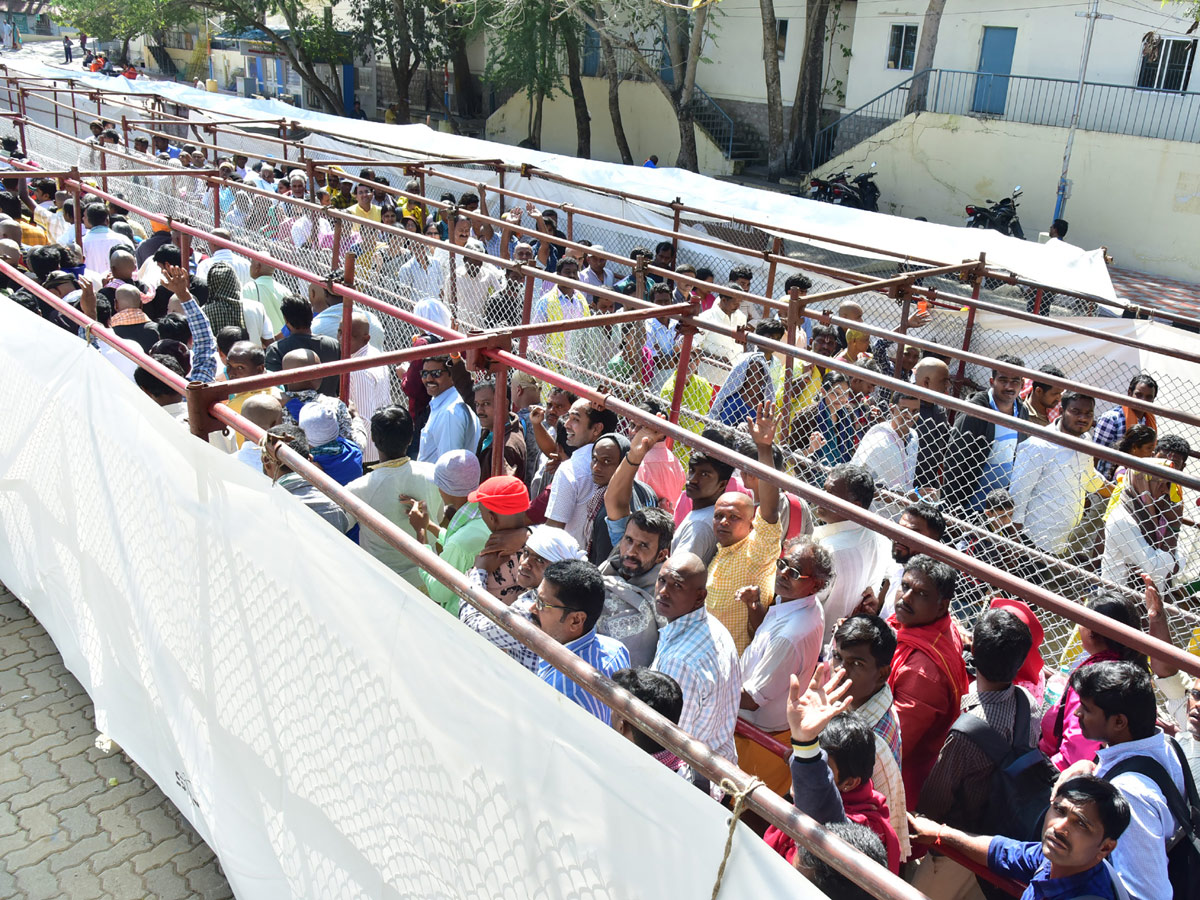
1138 197
1049 40
735 46
650 126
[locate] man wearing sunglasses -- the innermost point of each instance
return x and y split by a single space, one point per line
786 643
452 424
568 606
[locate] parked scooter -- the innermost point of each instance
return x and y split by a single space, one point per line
838 188
1001 216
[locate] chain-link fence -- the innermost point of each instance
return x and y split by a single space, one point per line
1078 536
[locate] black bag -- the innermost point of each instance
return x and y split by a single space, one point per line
1022 780
1183 851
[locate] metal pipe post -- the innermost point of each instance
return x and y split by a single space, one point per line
684 369
499 417
347 326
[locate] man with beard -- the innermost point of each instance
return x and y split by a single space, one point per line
629 577
926 520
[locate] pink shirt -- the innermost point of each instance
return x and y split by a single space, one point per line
662 472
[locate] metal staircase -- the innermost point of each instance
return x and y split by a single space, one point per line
161 57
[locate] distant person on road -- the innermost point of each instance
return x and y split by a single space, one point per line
1058 229
359 112
66 48
651 163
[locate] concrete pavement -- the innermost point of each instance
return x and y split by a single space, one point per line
76 822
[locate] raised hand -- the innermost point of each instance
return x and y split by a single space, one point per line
175 279
762 426
643 442
418 514
809 711
537 414
816 441
749 595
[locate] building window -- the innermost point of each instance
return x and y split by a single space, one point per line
1167 64
781 37
902 48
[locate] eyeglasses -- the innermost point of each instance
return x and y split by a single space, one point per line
433 373
539 603
783 567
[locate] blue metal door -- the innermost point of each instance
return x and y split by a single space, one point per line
995 64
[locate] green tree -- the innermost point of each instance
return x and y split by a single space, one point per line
311 40
404 33
112 20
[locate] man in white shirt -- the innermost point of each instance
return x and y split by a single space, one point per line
1050 482
452 423
858 553
100 239
573 486
717 350
370 389
423 275
239 264
595 273
889 452
1117 707
395 476
786 643
468 291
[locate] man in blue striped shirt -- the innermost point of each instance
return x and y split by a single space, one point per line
569 602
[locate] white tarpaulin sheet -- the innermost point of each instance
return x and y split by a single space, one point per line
1057 265
330 732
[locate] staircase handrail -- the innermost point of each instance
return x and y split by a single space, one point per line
703 95
854 112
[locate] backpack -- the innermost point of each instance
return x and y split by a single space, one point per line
1183 851
1022 780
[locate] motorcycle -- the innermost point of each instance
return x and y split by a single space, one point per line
1001 216
859 193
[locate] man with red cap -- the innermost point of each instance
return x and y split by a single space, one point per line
498 504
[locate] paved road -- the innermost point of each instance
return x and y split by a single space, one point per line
66 831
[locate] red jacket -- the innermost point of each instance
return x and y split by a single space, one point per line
864 806
928 682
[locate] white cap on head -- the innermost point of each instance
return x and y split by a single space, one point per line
319 421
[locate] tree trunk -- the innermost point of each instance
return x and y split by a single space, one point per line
535 127
583 119
614 101
775 148
400 60
926 47
806 109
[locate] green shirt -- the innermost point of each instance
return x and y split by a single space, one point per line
461 542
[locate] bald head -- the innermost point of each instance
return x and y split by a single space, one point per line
681 585
733 518
122 264
263 410
933 374
10 251
128 297
296 359
360 331
849 309
11 231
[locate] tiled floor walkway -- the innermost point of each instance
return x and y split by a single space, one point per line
75 822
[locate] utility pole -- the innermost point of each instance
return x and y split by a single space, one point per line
1091 15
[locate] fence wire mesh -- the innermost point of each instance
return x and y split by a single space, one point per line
1075 540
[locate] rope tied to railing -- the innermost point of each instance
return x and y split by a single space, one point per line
269 445
739 806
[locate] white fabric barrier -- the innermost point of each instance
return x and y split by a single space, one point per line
329 731
1059 265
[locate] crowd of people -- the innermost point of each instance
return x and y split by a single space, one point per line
903 689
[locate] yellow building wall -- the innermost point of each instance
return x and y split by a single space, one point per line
649 123
1139 197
